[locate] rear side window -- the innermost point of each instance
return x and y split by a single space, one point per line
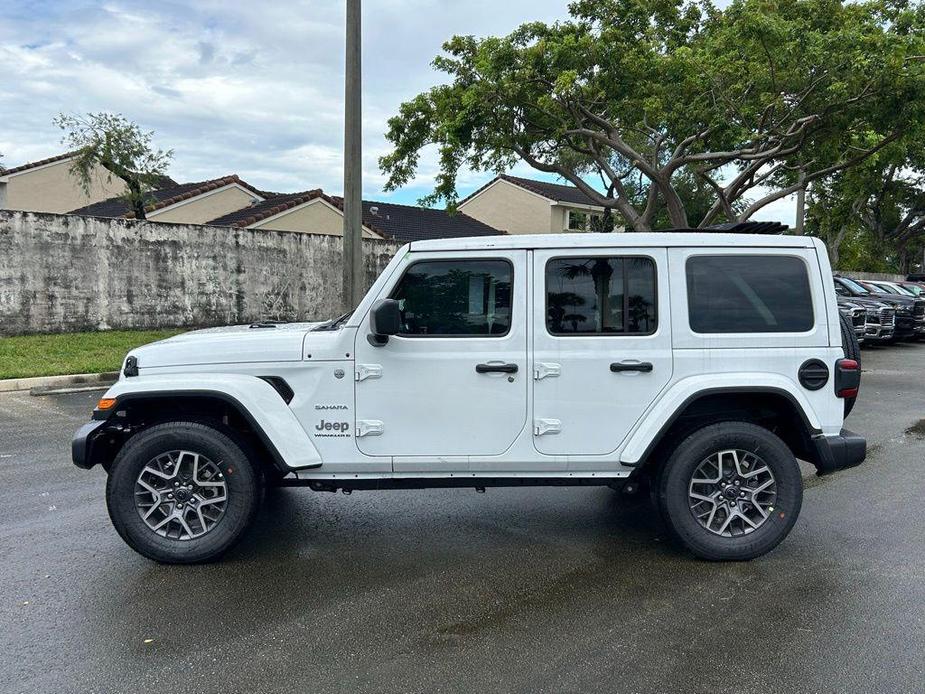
600 296
461 298
748 294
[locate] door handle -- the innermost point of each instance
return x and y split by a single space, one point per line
621 366
496 368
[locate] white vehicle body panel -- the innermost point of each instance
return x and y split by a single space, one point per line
593 408
426 393
260 399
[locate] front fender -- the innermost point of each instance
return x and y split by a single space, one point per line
257 400
672 402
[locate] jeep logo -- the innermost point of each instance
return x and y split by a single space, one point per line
341 427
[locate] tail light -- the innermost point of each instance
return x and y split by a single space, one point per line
847 378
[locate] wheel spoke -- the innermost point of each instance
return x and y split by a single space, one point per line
711 490
191 478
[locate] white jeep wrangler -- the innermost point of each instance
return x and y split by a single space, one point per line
700 365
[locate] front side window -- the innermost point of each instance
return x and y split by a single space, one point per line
748 294
456 298
601 296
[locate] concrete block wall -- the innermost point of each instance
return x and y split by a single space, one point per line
61 273
885 276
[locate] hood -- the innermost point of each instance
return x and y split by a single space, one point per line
867 302
260 342
897 299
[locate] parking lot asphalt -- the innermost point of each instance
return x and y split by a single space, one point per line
552 589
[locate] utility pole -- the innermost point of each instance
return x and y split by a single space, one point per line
354 279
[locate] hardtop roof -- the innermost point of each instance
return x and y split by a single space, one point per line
664 239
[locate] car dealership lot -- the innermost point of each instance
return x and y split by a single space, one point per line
449 590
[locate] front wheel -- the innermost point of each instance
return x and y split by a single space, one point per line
731 491
182 492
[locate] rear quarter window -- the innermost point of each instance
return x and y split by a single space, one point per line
748 294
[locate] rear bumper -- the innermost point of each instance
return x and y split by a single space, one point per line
834 453
82 444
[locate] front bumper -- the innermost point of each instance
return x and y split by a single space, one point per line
840 452
82 443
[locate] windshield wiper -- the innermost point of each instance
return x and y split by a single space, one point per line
335 323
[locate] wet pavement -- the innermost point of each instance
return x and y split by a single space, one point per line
551 589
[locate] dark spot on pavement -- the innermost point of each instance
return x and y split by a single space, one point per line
917 430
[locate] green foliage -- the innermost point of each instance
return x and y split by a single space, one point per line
119 146
674 94
873 215
71 353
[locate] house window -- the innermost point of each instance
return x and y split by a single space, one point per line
584 221
601 296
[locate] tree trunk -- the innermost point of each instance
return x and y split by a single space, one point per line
833 246
801 211
137 198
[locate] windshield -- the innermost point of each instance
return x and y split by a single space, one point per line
914 289
891 288
901 290
853 286
871 287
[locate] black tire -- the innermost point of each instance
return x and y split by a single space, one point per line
243 482
683 463
852 348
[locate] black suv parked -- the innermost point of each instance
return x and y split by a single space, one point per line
881 316
856 315
904 306
894 291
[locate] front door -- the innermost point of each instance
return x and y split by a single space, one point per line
602 345
453 383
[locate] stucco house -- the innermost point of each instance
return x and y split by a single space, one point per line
524 206
315 212
184 203
47 186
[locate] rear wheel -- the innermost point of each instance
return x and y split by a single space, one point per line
182 492
731 491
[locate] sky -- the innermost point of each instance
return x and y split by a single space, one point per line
234 87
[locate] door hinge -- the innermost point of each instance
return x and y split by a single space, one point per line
546 426
365 371
543 369
369 427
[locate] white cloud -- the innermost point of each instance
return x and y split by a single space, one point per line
250 88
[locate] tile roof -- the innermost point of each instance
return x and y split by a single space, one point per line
407 223
272 205
171 194
400 222
552 191
36 164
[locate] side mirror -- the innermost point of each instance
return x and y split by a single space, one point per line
384 320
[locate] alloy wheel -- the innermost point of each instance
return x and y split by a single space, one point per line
181 495
732 493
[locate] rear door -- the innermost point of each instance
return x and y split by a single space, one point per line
602 345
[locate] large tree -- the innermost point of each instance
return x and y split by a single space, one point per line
755 102
876 210
119 146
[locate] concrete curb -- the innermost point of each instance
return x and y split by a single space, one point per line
46 385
